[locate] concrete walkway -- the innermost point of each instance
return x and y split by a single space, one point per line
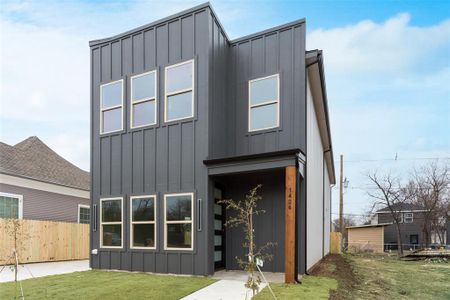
230 286
28 271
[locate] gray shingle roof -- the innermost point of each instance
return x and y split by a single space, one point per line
402 207
32 158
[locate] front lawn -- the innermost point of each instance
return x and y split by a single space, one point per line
106 285
312 287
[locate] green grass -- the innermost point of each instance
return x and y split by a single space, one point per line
386 277
106 285
312 287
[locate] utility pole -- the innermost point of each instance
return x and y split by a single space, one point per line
341 197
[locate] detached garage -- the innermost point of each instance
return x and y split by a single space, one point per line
366 238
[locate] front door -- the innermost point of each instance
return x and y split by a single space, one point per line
219 231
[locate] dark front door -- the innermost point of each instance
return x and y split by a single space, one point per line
219 230
414 239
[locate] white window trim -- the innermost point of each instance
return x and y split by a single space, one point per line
84 206
250 106
410 217
142 222
167 95
179 222
102 109
150 99
20 204
111 223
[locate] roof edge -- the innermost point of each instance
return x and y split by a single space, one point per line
369 225
97 42
269 30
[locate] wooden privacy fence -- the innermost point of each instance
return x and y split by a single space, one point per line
335 242
39 241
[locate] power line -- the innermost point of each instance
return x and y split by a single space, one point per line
394 159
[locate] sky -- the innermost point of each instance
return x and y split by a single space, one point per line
387 66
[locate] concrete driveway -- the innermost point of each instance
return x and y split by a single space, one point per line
27 271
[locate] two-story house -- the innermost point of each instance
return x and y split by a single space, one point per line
181 117
411 224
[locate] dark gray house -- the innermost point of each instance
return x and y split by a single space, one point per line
36 183
411 226
182 116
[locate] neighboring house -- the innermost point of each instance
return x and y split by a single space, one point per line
182 117
36 183
412 217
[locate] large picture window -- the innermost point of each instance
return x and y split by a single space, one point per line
178 212
179 91
264 103
143 226
11 206
143 99
111 227
111 106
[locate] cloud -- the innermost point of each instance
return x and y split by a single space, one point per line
388 94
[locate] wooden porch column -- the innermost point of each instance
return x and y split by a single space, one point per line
290 227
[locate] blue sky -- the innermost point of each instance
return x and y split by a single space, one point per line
387 69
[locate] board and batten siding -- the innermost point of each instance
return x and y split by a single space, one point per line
159 159
276 52
314 186
42 205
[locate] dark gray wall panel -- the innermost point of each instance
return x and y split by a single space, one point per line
269 227
159 159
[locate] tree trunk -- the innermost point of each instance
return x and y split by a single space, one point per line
399 241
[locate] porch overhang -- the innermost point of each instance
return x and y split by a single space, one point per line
256 162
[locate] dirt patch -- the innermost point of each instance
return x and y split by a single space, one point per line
336 266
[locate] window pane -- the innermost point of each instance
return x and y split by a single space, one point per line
111 211
264 116
143 86
144 113
143 235
111 94
179 106
264 90
179 78
9 207
112 120
112 235
85 215
178 208
179 235
143 209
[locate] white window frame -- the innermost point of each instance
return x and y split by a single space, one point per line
20 204
83 206
149 99
103 109
179 222
408 216
142 222
167 95
111 223
276 101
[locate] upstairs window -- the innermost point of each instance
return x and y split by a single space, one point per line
143 225
111 227
143 99
178 210
408 218
264 103
179 91
111 105
11 206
